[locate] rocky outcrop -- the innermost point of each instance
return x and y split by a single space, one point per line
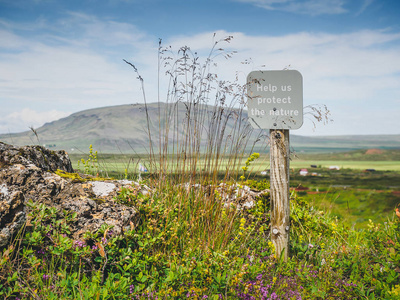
37 156
28 173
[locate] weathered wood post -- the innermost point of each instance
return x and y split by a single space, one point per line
280 194
275 102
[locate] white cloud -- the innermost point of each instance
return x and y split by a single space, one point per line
309 7
364 6
358 56
56 70
27 117
85 69
92 30
358 71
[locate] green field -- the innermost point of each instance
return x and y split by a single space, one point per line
357 165
384 160
351 194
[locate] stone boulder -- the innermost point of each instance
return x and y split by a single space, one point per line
29 173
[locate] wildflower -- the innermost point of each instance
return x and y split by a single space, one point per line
46 277
274 296
41 251
271 246
79 243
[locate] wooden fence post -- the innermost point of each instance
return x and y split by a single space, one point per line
280 194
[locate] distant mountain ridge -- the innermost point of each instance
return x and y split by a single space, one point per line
122 129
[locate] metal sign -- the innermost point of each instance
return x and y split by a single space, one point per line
275 99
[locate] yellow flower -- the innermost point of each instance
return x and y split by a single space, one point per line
271 246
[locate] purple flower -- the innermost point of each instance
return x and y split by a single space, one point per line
41 251
205 297
274 296
79 243
46 277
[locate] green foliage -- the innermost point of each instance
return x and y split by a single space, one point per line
168 255
259 185
249 160
91 164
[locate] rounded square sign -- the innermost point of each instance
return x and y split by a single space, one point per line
275 99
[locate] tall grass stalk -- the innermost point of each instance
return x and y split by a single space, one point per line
203 135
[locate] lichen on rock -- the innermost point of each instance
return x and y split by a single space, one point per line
29 174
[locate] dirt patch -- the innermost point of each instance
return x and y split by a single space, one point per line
374 151
301 188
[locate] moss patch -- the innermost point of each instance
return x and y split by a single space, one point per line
75 177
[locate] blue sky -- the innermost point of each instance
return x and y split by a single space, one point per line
59 57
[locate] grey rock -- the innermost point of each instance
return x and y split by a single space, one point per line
26 173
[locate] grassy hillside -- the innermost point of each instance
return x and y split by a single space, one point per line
322 144
114 129
107 128
123 129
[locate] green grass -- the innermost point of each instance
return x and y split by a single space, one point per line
351 194
388 160
356 207
358 165
171 254
119 165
